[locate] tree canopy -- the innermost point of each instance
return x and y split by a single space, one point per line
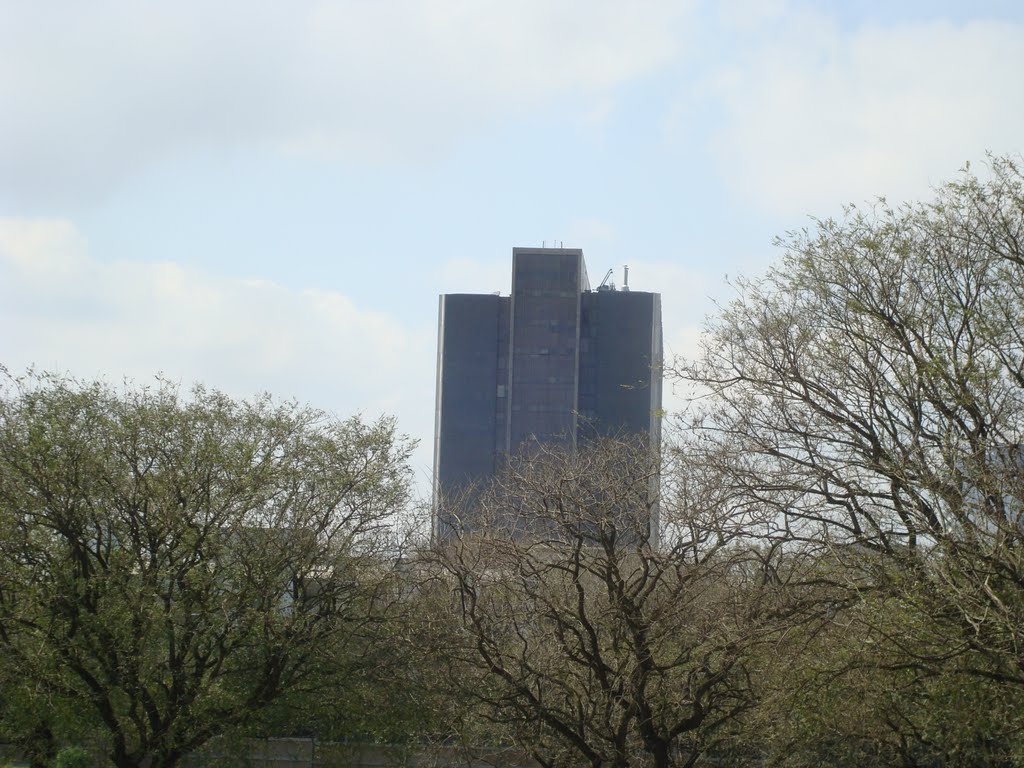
586 641
171 564
868 394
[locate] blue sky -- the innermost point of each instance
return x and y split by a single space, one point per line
270 196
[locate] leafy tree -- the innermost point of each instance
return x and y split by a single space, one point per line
855 689
580 638
383 688
172 565
73 757
870 389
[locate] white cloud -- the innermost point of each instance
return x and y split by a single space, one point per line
466 275
815 117
91 93
64 310
597 235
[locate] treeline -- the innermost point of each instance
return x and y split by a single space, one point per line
838 579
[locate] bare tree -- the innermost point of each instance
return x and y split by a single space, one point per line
871 389
582 638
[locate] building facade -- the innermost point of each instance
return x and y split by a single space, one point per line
554 362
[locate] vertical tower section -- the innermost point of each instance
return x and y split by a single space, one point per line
470 394
544 345
621 364
621 372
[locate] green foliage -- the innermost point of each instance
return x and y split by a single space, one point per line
384 690
73 757
860 691
171 566
867 398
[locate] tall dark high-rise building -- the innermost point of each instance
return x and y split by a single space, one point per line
554 361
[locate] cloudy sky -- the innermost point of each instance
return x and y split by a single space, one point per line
269 196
